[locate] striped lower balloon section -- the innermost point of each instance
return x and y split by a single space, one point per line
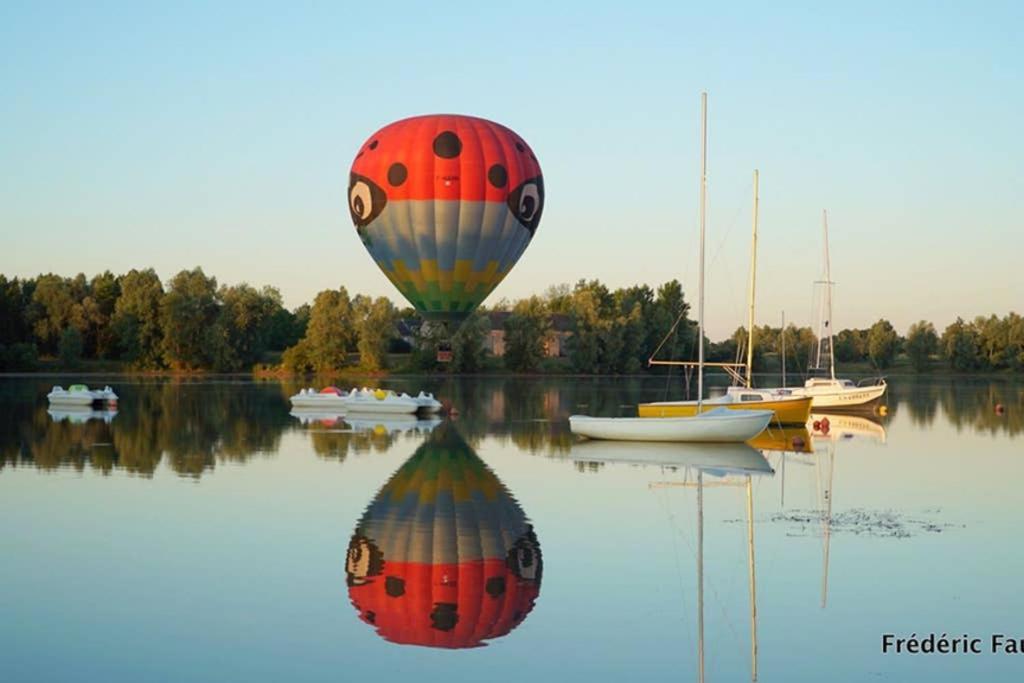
445 256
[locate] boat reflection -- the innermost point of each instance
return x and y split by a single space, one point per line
443 556
839 426
81 414
366 422
715 458
729 465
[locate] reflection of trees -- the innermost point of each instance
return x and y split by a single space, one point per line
335 444
194 424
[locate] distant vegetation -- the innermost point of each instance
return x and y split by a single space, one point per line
190 323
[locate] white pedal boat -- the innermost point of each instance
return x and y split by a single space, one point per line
328 399
718 425
81 395
380 402
427 402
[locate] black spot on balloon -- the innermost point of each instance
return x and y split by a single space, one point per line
444 616
519 146
373 145
447 145
497 175
397 174
394 586
495 586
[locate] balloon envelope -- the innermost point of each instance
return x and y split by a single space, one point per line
443 556
446 205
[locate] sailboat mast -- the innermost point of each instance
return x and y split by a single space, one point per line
783 335
700 287
828 297
753 278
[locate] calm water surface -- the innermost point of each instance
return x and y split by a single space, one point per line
204 533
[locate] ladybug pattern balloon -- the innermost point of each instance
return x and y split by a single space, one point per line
443 556
446 205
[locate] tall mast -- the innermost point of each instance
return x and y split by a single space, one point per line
753 278
828 298
700 288
783 335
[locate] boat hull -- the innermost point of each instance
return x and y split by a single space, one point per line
319 401
713 426
838 398
787 411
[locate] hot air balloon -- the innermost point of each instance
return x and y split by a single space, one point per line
446 205
443 556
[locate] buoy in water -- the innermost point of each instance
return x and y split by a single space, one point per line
1000 409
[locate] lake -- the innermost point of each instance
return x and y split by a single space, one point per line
204 533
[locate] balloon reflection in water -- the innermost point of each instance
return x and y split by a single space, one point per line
443 556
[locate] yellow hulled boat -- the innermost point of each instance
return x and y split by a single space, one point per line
791 410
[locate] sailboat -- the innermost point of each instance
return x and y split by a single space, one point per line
716 424
788 408
829 392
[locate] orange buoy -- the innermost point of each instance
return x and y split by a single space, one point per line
1000 409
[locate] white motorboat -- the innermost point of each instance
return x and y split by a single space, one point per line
380 401
328 398
81 395
715 458
717 425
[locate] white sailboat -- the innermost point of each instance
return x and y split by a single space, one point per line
716 425
829 392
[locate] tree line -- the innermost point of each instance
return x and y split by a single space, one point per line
191 323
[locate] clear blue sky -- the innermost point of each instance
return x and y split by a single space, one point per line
222 137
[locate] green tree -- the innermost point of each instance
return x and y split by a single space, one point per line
97 310
375 324
136 318
54 303
850 346
331 330
14 304
883 343
992 341
247 319
525 333
959 345
194 337
469 344
69 349
922 343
